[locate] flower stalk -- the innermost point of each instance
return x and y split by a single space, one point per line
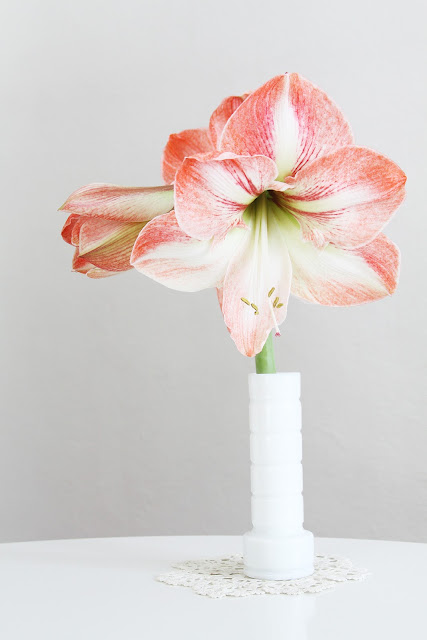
264 360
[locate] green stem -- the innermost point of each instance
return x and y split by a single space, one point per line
264 361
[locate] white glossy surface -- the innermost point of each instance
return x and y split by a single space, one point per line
104 589
277 547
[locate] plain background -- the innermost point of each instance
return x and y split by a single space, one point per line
124 404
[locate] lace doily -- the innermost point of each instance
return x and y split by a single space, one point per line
220 577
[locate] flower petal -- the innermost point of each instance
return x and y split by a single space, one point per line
68 230
190 142
108 244
277 185
289 120
211 195
346 197
221 115
341 277
130 204
80 265
256 287
165 253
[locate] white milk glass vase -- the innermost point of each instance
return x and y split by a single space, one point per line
277 547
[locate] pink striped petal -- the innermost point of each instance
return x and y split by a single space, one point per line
101 244
129 204
211 195
221 115
80 265
346 197
341 277
165 253
191 142
71 229
108 244
68 230
289 120
260 266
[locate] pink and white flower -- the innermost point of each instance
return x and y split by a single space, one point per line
274 198
105 221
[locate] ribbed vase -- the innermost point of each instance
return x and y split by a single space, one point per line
277 547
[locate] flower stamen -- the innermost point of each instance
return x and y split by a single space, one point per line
254 306
276 304
276 326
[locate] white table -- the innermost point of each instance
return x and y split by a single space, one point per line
104 589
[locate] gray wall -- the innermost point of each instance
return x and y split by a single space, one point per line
125 403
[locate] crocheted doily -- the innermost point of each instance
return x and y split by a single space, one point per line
220 577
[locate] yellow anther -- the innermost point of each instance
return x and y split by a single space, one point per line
271 291
256 308
245 301
279 305
276 300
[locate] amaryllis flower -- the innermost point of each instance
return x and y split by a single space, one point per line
105 221
274 198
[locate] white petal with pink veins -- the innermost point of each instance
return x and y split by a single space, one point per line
340 277
257 283
289 120
165 253
211 195
346 197
113 202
